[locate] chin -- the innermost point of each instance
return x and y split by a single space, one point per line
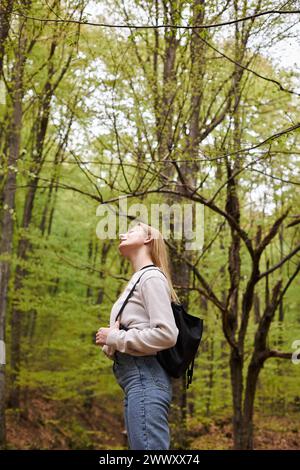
122 250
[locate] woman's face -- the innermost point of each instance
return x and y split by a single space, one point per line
132 240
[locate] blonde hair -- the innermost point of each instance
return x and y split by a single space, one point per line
160 255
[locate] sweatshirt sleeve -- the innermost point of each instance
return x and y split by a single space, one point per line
162 333
108 351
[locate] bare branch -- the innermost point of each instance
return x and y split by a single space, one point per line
159 26
278 265
281 354
282 294
272 233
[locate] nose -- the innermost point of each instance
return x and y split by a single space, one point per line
122 236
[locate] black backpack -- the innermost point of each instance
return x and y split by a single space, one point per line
180 358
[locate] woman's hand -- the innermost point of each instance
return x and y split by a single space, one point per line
102 333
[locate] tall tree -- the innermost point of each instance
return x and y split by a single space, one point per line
13 147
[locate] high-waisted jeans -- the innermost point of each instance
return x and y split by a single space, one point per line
147 397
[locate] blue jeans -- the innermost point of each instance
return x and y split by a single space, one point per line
147 397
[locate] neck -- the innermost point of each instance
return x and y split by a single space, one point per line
138 261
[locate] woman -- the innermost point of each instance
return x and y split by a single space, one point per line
149 318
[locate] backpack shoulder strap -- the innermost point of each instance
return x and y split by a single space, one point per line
132 289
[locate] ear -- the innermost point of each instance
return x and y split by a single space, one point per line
148 240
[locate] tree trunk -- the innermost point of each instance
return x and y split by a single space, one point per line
9 190
6 7
236 373
22 250
211 370
178 415
247 426
24 245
